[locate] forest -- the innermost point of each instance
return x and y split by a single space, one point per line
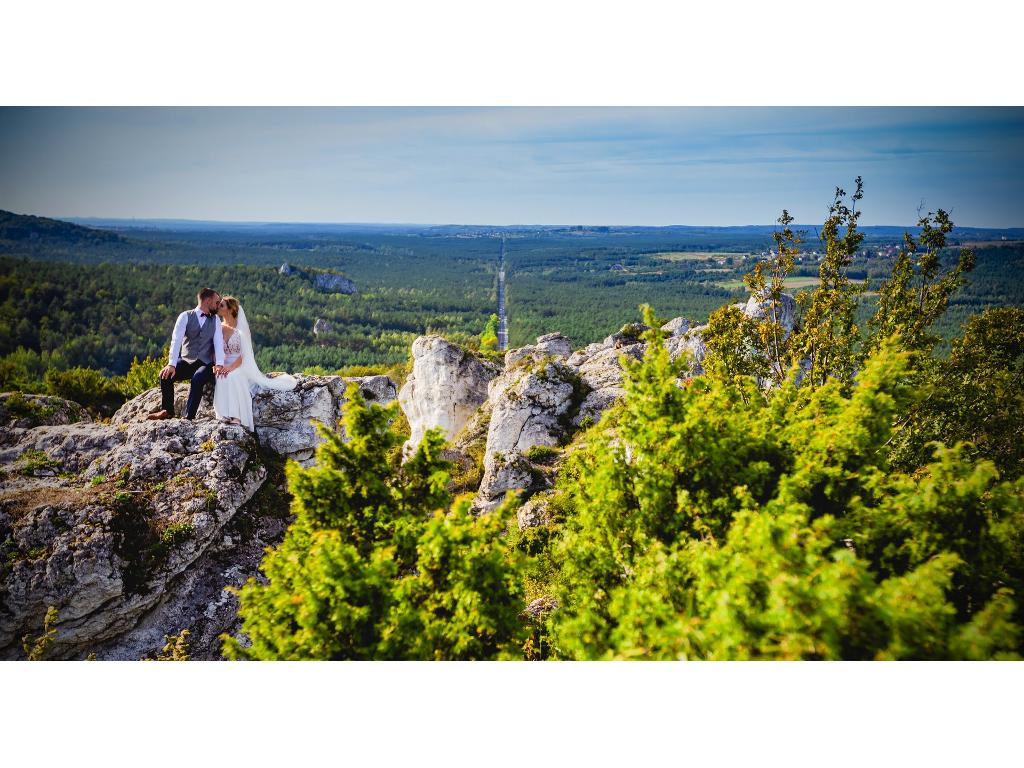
81 297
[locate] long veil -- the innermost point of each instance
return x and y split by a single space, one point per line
250 369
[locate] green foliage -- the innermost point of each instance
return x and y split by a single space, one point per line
542 454
142 376
176 533
829 334
733 345
37 649
23 370
720 524
87 387
767 282
976 395
489 337
175 647
917 294
32 460
374 566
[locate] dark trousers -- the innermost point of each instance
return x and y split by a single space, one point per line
199 373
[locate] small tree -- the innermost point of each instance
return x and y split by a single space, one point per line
916 294
87 387
733 343
829 333
142 376
766 282
489 338
376 565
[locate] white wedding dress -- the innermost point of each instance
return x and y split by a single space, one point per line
232 395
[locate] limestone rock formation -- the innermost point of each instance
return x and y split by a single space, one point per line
531 405
690 343
446 387
282 420
102 521
322 281
132 529
757 308
553 345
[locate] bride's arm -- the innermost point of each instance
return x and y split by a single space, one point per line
234 365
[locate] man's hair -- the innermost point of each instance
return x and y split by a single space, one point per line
205 294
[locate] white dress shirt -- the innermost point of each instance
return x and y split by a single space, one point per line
179 335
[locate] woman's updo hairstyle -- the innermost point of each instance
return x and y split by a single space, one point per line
232 304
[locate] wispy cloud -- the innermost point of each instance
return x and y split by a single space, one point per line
607 165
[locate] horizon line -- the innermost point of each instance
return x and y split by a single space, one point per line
72 219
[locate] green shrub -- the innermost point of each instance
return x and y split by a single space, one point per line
542 454
33 460
378 563
177 533
37 649
141 377
489 337
87 387
718 522
23 370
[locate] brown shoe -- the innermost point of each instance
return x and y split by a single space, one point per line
158 415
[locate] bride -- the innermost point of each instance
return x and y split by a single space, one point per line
240 377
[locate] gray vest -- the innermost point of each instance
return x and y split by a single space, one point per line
198 342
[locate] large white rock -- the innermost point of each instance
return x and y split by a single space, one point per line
530 405
104 530
283 420
759 309
553 345
691 344
446 387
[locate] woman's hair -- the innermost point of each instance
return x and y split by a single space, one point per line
232 304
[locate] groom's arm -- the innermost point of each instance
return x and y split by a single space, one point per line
176 338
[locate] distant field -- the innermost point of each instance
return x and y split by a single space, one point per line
793 283
690 255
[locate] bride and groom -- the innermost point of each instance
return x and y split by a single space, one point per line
212 344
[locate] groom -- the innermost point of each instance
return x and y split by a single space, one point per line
196 345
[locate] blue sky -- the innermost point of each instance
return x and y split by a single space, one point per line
711 166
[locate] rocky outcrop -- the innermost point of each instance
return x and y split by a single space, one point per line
691 344
283 421
328 282
133 529
447 385
102 522
25 411
758 308
532 404
553 345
